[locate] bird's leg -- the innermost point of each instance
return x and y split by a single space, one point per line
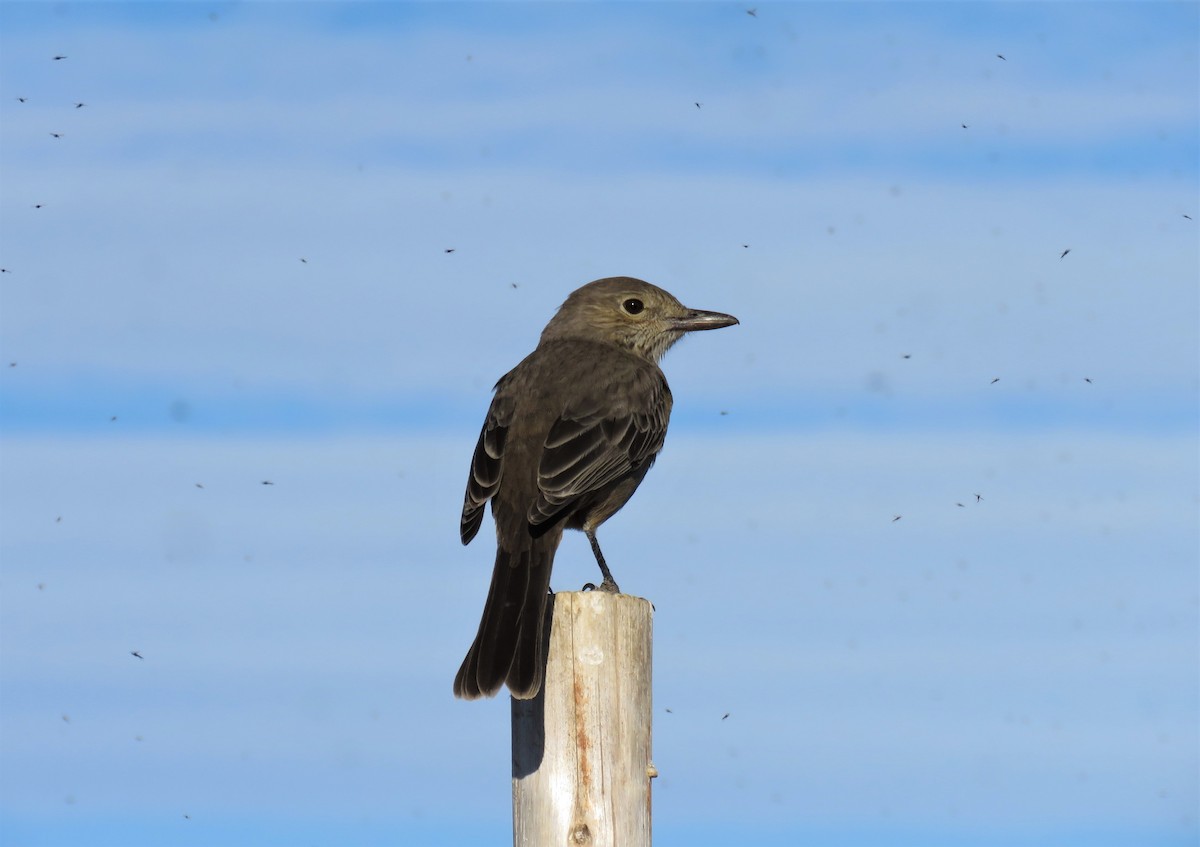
609 583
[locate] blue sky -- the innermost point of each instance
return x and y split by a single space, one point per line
232 267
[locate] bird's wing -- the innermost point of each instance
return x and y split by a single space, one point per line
601 438
487 463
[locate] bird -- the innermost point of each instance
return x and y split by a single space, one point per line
1064 254
1001 57
752 13
137 655
80 105
994 381
22 99
569 435
57 134
59 58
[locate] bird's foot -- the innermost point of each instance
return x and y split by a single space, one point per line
608 585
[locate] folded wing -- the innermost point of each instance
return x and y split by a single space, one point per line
593 444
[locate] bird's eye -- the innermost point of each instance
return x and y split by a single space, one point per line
633 306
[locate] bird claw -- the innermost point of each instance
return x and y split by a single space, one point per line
610 586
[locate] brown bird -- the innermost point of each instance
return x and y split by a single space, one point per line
570 434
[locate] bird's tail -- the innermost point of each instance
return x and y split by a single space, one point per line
509 647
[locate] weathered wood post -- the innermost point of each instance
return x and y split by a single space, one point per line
581 748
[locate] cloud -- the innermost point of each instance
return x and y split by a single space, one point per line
786 94
1039 634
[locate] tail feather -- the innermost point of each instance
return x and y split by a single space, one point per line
508 647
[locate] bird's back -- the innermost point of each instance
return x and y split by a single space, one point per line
583 412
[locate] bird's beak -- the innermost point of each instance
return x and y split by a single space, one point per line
696 319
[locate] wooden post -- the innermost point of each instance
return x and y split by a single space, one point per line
581 748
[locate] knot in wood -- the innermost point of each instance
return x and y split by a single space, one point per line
581 835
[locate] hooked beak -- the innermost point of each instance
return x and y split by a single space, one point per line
697 319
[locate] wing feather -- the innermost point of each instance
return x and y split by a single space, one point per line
594 444
487 464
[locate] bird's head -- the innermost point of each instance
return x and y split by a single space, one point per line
630 313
